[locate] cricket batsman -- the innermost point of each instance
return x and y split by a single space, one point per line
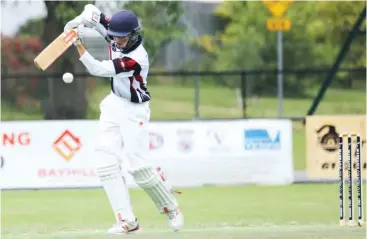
124 118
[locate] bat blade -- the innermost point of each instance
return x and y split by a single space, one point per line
55 49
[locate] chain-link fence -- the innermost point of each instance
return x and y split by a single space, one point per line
187 95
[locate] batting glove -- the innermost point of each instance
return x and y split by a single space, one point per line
79 40
73 24
90 16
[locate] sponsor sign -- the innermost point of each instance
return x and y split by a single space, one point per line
322 138
58 154
67 145
259 139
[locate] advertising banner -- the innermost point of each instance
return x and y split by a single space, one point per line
60 154
322 148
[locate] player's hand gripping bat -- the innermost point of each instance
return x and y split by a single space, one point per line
55 49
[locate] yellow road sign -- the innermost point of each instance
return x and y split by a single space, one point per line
277 8
277 24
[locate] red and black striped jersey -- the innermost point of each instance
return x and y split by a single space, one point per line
128 72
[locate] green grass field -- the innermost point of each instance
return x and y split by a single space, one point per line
284 212
177 102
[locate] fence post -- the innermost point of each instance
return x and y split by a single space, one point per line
197 96
243 94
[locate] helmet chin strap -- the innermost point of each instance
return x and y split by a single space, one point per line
114 43
131 44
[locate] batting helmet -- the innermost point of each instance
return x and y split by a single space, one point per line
123 23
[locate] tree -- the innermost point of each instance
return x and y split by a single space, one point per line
66 100
332 26
317 33
17 56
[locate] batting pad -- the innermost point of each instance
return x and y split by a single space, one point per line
117 192
149 179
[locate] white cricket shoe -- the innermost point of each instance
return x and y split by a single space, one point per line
124 227
175 219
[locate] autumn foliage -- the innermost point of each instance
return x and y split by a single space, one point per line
18 53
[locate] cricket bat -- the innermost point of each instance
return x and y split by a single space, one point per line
55 49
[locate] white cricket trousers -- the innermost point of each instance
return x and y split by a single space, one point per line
123 132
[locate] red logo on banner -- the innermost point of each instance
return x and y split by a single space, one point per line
66 172
18 138
67 145
155 141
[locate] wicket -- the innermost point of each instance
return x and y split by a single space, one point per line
350 180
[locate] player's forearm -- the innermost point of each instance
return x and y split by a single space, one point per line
81 49
95 67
